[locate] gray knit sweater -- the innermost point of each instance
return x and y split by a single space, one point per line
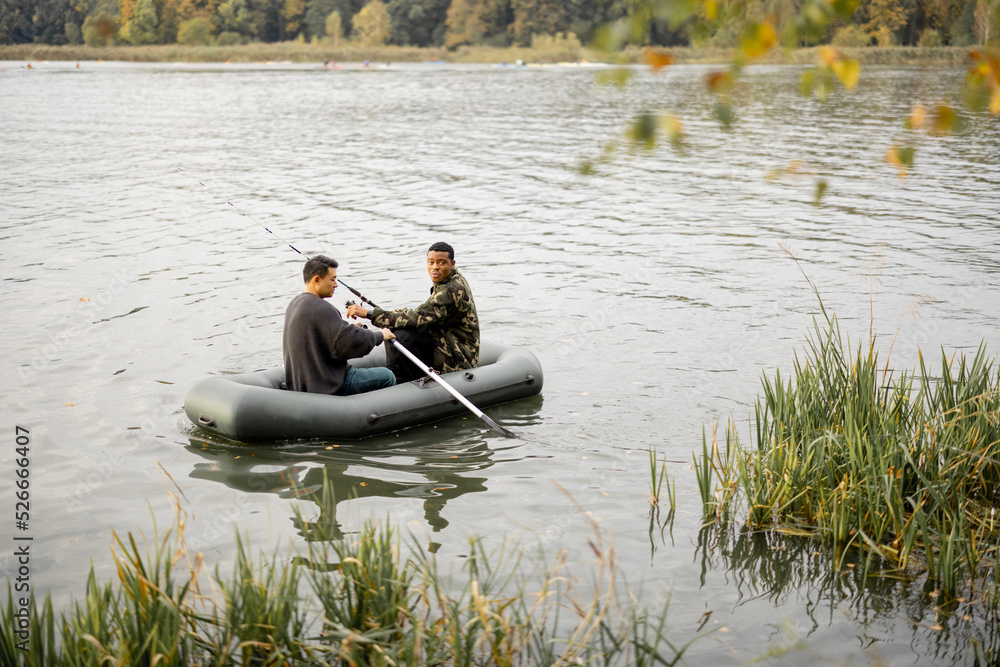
317 343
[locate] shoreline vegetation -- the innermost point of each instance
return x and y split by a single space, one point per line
349 601
890 477
554 51
901 467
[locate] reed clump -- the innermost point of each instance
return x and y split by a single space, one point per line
356 601
903 467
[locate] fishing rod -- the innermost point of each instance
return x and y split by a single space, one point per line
271 232
425 368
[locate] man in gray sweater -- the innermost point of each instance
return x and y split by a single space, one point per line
317 341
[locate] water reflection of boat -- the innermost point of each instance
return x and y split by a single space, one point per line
433 472
253 406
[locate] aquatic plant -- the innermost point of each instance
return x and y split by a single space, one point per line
658 479
351 601
903 467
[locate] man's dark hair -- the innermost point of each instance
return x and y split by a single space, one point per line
319 265
441 246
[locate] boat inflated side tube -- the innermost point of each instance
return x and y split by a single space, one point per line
252 407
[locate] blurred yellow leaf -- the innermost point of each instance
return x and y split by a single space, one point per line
827 54
814 21
984 81
917 117
821 186
657 60
944 120
758 38
719 82
671 124
711 10
848 71
618 77
610 37
807 82
674 129
642 132
901 158
724 113
844 8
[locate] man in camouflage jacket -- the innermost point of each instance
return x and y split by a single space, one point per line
443 331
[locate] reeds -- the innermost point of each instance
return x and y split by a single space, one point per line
550 50
906 467
658 480
356 601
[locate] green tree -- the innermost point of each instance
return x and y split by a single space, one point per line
196 31
584 17
986 25
48 21
100 29
883 19
315 17
142 26
851 36
334 28
495 17
169 13
292 14
960 33
74 35
15 21
371 24
418 22
236 16
536 17
463 24
40 21
479 22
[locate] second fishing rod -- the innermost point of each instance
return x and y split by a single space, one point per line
427 370
272 233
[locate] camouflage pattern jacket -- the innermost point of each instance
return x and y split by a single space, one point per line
449 316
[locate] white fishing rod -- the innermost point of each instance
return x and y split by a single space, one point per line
409 355
272 233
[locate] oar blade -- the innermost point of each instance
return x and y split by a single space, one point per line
497 427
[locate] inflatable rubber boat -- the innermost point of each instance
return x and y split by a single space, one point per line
254 406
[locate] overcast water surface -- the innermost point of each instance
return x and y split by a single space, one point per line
655 292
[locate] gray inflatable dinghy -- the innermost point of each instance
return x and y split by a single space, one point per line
253 406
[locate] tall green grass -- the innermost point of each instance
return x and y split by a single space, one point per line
356 601
904 466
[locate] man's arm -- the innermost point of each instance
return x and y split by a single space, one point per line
439 306
348 341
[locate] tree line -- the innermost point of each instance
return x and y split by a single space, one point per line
499 23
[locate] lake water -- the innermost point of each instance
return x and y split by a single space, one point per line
655 293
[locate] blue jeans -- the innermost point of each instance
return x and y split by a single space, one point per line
360 380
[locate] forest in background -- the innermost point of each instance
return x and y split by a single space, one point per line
488 23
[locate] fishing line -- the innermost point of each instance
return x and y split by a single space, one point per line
271 232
